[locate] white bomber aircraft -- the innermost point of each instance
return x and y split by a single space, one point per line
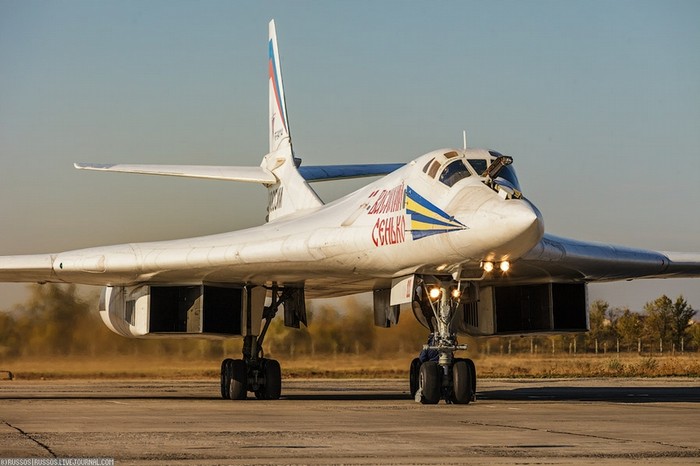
450 234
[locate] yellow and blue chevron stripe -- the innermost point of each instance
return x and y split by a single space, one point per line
426 218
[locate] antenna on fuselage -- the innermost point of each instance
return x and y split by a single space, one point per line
464 136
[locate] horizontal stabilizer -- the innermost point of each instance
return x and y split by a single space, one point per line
249 174
339 172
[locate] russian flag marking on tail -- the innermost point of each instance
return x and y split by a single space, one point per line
279 103
291 193
279 127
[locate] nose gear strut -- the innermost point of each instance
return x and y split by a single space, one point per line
444 377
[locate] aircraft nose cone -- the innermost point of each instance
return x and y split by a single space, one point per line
525 215
523 221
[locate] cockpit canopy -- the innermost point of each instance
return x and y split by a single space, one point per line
452 166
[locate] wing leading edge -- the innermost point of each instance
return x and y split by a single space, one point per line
567 260
247 174
554 259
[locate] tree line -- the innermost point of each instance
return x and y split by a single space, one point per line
665 325
56 321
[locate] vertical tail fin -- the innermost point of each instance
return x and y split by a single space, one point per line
279 125
291 193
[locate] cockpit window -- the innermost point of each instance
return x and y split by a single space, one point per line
434 169
454 172
451 154
479 165
425 169
508 174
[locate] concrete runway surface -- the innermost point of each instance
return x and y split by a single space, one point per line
557 421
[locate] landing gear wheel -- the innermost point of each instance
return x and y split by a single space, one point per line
238 386
429 383
273 381
413 376
472 376
461 383
226 378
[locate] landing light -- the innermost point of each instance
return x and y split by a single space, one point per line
505 266
488 267
456 293
434 293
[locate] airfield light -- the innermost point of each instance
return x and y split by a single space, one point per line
488 267
505 266
456 293
434 293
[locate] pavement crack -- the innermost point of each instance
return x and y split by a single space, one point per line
576 434
505 426
549 431
30 437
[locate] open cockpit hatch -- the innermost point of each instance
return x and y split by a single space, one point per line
492 168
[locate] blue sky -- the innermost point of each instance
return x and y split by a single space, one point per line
598 102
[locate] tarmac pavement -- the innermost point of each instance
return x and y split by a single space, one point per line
528 421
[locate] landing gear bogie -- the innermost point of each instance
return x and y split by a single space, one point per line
456 385
238 378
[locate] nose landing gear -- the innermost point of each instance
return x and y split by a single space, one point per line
437 374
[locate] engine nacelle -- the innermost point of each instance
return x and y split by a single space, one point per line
526 309
203 311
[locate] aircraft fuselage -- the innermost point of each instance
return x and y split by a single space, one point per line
407 222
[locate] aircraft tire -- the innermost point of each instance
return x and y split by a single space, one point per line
273 380
226 377
461 383
429 383
238 386
472 376
413 375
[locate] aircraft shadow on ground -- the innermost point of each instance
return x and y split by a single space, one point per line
588 394
629 394
340 396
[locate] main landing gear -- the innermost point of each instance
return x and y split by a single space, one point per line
263 378
254 373
438 374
